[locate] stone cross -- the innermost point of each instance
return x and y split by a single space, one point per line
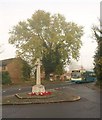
38 76
38 87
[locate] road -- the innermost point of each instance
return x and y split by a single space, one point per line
87 107
15 89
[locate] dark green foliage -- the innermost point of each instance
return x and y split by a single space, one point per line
98 54
6 78
98 65
52 62
26 70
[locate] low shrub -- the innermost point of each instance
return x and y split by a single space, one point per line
6 78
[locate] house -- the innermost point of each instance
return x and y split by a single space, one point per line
16 67
4 63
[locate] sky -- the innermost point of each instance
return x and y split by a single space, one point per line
83 12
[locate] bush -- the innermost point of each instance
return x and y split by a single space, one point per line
6 78
26 70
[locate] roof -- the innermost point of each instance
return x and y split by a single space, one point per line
6 61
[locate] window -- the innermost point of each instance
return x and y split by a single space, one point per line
3 67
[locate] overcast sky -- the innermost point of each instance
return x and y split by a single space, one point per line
82 12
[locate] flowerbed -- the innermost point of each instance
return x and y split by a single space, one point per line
40 93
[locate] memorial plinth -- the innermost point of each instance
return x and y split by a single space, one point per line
38 89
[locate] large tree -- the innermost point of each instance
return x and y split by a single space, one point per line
98 55
49 37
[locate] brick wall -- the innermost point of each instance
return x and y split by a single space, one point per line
15 70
